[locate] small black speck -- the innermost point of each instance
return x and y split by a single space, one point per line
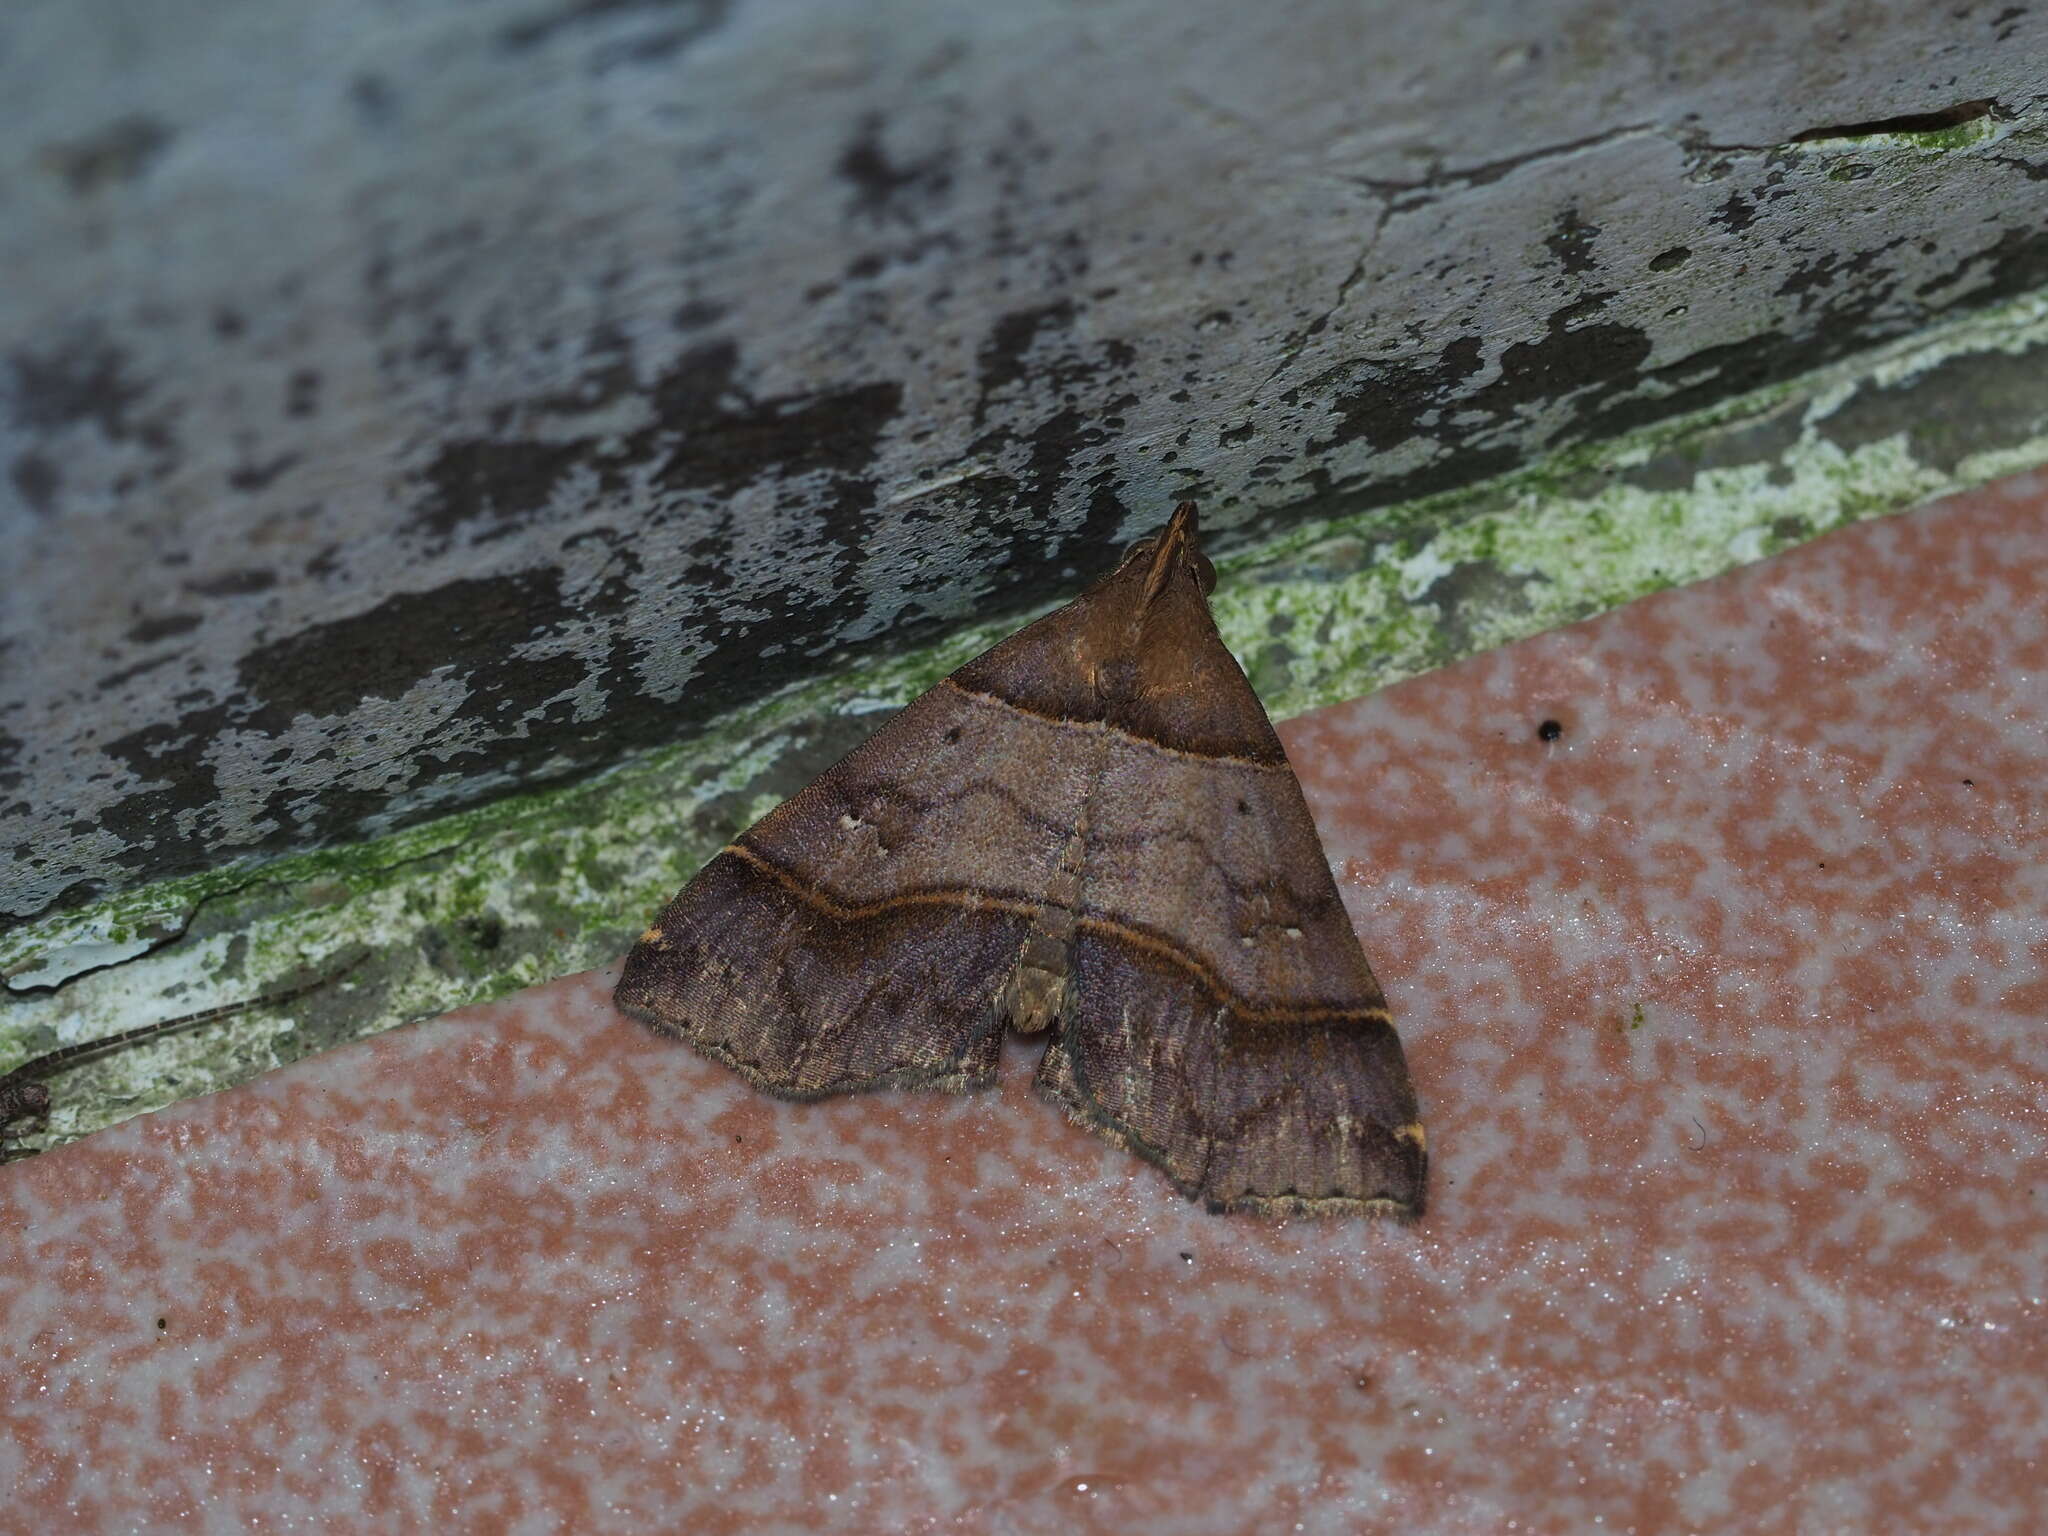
485 930
162 1323
953 734
1187 1256
1971 782
1243 809
1550 730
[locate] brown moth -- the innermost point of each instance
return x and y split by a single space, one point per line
1089 831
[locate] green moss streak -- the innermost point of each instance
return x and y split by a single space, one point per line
1980 130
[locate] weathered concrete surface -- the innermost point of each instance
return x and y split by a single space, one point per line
398 407
477 903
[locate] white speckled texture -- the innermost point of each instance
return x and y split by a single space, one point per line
1726 1008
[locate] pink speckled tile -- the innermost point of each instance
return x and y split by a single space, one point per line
1727 1011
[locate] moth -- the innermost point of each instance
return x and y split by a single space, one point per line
1089 832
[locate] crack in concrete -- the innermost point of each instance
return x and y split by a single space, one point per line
1299 342
1405 196
1401 196
1820 140
190 915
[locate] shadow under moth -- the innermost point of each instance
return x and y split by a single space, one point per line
1091 832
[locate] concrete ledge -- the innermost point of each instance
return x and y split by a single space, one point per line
401 409
475 905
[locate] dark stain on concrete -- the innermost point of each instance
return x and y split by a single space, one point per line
697 315
37 481
1809 282
936 245
1468 589
1859 316
162 627
474 629
884 188
1571 242
1697 380
614 588
302 393
240 583
2014 263
167 756
1737 214
1601 368
2033 170
1000 360
1765 440
82 379
372 97
682 21
493 482
1967 405
461 627
707 434
121 151
116 679
1032 354
1391 403
254 477
607 375
1600 361
1030 567
1383 402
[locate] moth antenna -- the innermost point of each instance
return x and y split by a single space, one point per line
23 1095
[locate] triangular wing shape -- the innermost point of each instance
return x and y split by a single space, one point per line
1092 827
857 936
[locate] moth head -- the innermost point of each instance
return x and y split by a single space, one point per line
22 1101
1173 548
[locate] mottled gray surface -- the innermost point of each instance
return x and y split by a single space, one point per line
399 403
